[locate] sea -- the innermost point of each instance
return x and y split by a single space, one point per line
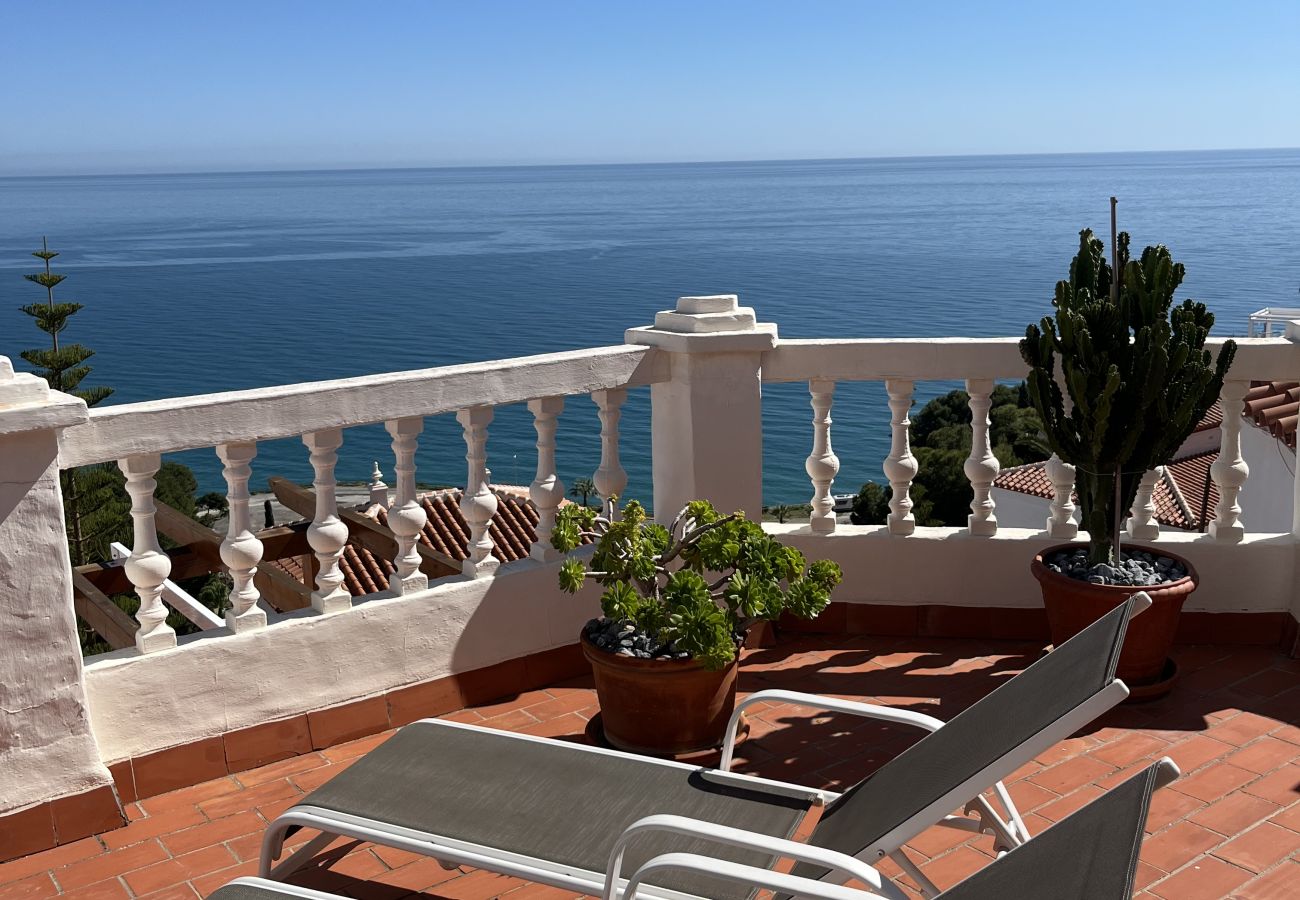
214 282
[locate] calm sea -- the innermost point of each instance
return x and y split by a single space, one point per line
197 283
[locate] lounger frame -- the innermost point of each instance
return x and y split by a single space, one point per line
1008 832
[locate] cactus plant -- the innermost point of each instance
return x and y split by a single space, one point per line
1136 370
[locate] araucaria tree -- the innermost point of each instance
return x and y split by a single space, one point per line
1137 373
91 505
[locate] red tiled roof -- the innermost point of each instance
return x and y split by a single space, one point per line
1188 474
1213 417
1275 407
513 528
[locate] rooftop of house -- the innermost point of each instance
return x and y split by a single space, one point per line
1229 826
1185 499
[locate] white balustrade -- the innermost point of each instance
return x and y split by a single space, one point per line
546 491
406 517
822 464
1230 471
241 550
610 479
900 465
1142 523
148 566
982 466
1060 522
478 504
327 535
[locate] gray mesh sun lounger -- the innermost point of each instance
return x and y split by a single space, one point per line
1092 854
552 812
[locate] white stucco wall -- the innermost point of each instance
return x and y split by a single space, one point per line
1268 495
217 682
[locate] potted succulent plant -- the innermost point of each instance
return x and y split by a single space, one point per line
677 603
1139 380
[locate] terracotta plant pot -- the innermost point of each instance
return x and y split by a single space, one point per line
1144 663
663 707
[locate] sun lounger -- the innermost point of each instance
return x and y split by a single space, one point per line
550 811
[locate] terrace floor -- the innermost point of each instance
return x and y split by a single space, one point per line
1230 827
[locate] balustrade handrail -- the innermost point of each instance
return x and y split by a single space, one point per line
207 420
956 359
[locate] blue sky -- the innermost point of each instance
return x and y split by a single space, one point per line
153 87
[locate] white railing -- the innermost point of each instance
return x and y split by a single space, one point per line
979 363
703 363
136 435
1271 320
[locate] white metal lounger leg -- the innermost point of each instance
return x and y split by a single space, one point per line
928 887
273 845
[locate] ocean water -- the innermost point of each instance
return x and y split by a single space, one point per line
198 283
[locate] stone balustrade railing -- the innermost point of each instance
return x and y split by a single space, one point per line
704 363
136 435
979 363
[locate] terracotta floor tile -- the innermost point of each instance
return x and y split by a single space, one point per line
359 747
1196 751
954 866
249 798
190 796
1170 806
1234 813
419 875
1213 782
1071 774
175 892
209 883
29 888
313 778
1265 755
1281 883
1060 808
1129 749
206 835
1178 845
1207 879
50 859
1261 848
1241 729
110 889
1289 817
281 769
1282 786
165 822
110 865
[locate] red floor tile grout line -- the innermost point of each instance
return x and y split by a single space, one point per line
1208 728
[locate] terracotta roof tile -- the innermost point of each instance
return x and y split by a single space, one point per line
1275 407
1188 475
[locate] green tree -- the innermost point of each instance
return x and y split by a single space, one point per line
941 442
584 488
91 508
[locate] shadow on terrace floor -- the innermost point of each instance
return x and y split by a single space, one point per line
1229 827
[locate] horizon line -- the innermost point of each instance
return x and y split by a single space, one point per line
592 165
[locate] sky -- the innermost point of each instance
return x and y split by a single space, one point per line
98 87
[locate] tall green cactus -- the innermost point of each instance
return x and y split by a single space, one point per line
1137 373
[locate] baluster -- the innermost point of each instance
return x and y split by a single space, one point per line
822 464
1061 524
327 534
241 550
546 491
1142 524
610 479
148 566
982 466
406 517
478 504
900 465
1230 470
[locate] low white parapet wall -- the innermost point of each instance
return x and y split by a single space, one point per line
217 682
948 566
